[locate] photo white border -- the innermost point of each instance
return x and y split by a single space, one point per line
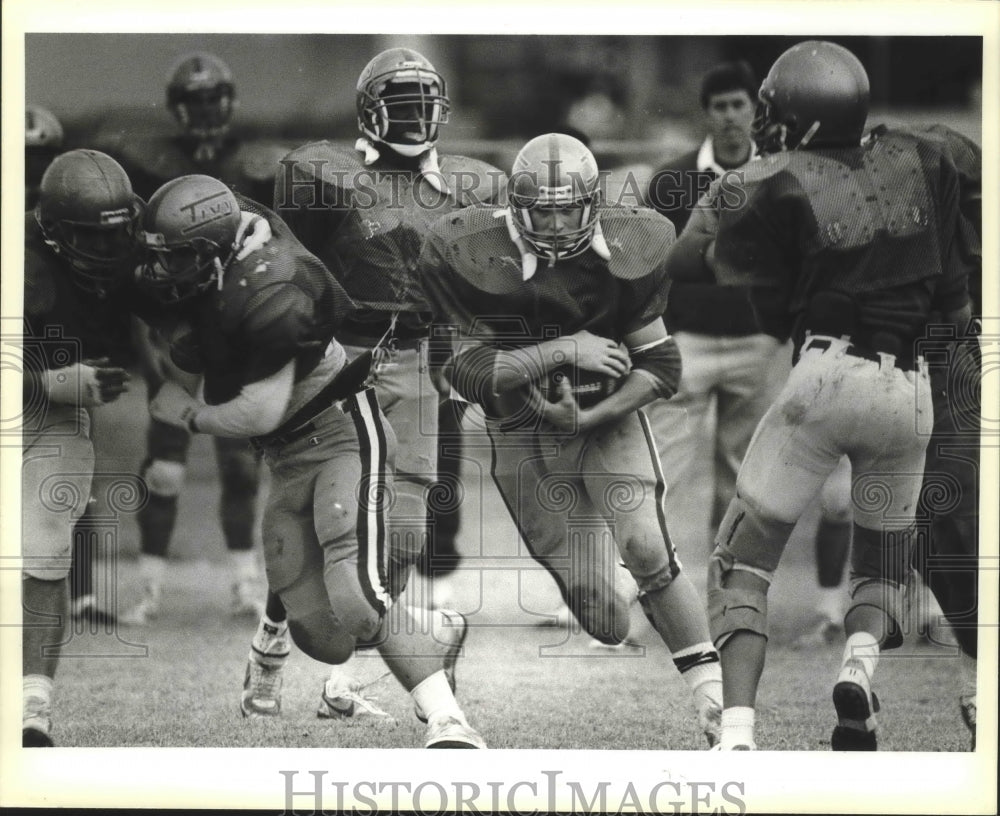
799 782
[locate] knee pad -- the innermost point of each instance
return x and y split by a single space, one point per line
320 636
733 609
163 477
751 538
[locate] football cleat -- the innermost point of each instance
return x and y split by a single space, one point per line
86 611
35 738
246 600
147 608
449 731
967 705
741 747
710 720
342 699
264 675
856 707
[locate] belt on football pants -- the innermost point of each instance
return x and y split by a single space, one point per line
350 380
856 351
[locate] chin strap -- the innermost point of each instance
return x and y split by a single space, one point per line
429 167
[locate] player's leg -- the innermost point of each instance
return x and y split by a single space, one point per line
783 470
444 501
622 474
163 472
540 483
352 490
886 462
832 544
239 474
680 423
56 472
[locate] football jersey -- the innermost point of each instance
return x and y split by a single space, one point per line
472 273
876 226
367 222
277 305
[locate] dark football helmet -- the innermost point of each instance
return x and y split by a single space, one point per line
201 96
88 215
554 194
189 234
402 101
815 95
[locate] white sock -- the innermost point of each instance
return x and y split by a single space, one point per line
863 647
434 698
268 632
244 565
737 727
37 691
152 568
830 603
700 667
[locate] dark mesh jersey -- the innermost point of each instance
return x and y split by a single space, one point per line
248 167
877 224
277 305
472 274
63 323
367 223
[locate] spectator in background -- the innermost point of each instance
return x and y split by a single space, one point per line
729 365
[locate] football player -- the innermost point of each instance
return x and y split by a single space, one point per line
201 97
260 334
78 253
850 249
557 301
364 210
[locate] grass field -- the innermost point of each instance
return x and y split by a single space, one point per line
176 682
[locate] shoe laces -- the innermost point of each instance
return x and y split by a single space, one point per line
359 700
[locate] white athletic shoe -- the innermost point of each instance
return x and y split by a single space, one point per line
261 695
36 723
342 699
146 609
247 600
856 706
710 720
449 731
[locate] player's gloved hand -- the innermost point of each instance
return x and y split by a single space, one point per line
594 353
253 233
174 406
88 383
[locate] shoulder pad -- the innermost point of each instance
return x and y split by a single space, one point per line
639 240
476 245
258 161
474 181
766 166
336 163
867 197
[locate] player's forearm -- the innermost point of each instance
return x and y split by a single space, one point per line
637 389
485 371
255 411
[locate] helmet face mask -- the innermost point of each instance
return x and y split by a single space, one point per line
189 235
402 101
554 196
202 97
88 215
